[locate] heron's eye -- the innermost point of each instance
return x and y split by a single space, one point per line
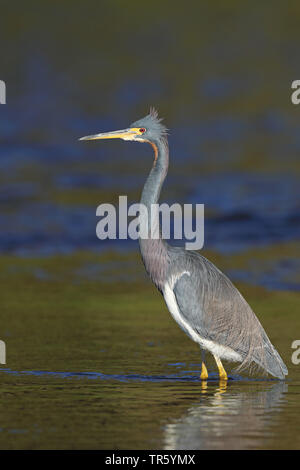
142 130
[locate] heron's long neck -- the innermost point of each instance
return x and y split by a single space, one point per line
153 248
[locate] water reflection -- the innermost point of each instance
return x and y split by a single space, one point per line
227 417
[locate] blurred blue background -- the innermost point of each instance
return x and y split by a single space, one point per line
220 76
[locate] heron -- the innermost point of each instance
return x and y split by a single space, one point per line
201 299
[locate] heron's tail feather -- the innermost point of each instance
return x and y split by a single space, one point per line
265 357
261 354
272 361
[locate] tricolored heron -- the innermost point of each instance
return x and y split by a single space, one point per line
202 300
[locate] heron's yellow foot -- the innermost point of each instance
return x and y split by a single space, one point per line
222 371
204 374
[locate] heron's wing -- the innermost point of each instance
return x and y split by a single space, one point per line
216 310
209 305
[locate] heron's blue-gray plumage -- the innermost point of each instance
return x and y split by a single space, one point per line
217 311
154 251
208 303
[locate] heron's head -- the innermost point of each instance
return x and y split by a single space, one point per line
147 129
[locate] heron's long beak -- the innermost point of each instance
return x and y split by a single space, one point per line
125 134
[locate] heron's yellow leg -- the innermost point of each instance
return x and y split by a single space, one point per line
222 371
204 374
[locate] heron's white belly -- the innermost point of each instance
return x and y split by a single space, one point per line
213 347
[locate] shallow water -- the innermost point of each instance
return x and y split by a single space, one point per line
93 364
94 410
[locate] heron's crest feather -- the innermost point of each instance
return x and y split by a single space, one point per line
153 124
